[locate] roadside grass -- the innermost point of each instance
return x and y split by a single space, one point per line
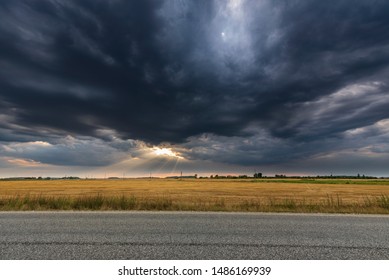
262 195
332 204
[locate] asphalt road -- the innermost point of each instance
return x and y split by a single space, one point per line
183 235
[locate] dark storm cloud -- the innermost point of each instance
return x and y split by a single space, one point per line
289 77
70 151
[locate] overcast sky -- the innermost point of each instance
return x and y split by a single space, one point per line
113 87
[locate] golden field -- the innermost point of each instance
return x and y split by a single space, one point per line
289 195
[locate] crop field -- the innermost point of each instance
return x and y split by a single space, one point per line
248 195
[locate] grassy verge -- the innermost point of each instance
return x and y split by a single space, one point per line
332 204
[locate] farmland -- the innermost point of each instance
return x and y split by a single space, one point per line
248 195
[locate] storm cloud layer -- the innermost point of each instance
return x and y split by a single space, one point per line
286 84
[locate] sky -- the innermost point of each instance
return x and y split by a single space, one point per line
99 88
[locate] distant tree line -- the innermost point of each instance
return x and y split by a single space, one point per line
244 176
277 176
40 178
256 175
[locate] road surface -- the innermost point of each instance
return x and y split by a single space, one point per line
191 235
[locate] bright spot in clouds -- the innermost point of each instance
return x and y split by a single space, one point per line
167 152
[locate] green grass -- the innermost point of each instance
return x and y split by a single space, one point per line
332 204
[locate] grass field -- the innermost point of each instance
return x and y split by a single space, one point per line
267 195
